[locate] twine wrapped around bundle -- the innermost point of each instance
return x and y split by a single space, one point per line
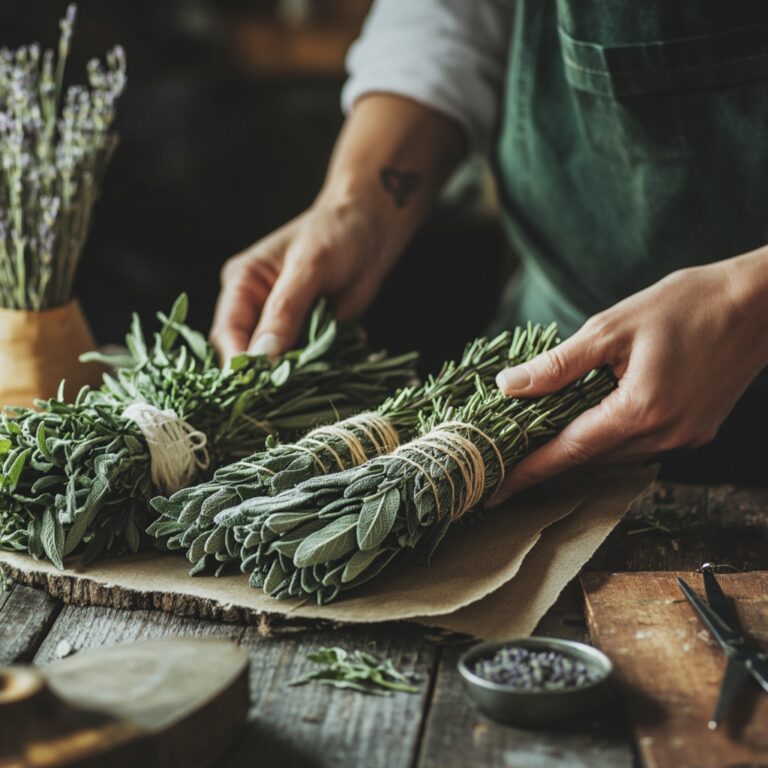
447 443
177 450
380 433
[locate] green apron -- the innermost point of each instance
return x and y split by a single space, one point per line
633 142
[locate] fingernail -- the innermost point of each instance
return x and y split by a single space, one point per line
512 379
266 344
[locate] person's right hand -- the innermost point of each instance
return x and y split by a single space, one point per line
387 168
268 289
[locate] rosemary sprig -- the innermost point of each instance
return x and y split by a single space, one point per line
55 147
77 476
358 671
335 532
187 519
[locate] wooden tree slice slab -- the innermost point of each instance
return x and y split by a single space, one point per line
670 667
159 703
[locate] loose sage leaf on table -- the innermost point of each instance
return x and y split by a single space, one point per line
357 671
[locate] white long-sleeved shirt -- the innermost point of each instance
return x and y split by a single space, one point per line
450 55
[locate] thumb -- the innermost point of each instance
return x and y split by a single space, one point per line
286 309
554 369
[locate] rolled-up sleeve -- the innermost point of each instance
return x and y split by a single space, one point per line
447 54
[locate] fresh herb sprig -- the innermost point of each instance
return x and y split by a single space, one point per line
55 146
187 519
335 532
356 670
77 475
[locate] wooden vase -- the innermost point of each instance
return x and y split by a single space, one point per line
39 349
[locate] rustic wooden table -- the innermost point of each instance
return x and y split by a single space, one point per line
318 726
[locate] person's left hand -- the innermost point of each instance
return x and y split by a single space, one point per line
683 350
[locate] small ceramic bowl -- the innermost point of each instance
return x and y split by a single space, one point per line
531 707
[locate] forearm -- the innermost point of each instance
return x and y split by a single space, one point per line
748 278
390 161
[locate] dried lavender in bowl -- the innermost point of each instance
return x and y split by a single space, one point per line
54 148
531 670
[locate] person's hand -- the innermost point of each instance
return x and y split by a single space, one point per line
683 350
268 289
387 169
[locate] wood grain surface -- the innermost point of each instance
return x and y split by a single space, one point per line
670 667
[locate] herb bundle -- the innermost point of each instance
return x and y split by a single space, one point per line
55 147
187 519
78 476
335 532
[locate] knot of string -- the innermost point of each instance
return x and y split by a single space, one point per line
447 442
177 450
380 432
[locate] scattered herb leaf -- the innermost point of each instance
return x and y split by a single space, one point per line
358 671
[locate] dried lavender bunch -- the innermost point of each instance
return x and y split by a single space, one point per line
335 532
55 147
78 477
187 519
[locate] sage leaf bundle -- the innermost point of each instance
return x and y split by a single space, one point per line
357 671
187 519
78 476
55 146
334 532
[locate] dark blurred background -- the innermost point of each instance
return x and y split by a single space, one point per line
231 111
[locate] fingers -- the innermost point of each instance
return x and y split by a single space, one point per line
354 301
556 368
242 296
286 308
593 434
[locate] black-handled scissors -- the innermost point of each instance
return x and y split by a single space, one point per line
742 658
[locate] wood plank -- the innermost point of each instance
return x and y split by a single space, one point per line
26 615
458 735
737 526
632 547
670 667
288 726
723 524
566 619
88 627
314 725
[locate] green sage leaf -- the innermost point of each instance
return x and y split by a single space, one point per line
52 537
377 516
329 543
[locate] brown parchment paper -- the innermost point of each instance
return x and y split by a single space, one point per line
515 608
474 562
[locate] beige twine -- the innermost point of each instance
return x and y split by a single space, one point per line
465 454
379 431
177 450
